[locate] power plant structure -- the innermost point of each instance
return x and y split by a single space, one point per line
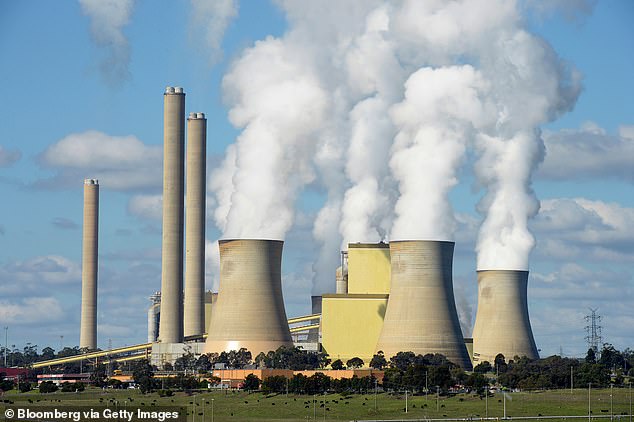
250 309
390 297
171 321
502 324
421 314
89 266
194 311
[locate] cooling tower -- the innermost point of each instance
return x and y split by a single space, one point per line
194 311
421 312
502 324
90 241
250 309
171 322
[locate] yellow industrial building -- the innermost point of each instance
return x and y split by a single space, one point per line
351 320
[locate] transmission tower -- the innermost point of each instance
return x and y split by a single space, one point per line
593 331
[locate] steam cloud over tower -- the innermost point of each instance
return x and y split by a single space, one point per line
250 309
90 241
502 324
171 322
195 216
421 312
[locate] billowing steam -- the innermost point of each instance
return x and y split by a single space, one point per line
212 17
532 87
382 100
434 122
278 101
107 19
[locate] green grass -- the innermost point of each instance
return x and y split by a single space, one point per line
242 407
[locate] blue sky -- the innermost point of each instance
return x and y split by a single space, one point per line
70 79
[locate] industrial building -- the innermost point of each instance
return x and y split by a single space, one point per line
352 318
389 297
89 263
250 310
421 313
502 324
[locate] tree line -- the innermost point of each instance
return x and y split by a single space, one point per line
403 371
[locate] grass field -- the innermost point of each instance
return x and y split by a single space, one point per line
241 406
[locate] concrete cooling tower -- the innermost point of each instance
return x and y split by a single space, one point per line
90 241
194 310
250 309
171 322
502 324
421 314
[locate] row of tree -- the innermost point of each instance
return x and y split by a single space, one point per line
318 383
283 358
29 354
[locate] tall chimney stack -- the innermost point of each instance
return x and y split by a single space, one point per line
195 226
421 314
502 324
171 321
89 262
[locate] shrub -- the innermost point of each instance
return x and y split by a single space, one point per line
47 387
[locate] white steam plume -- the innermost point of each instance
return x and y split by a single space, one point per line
279 103
532 86
330 162
376 76
434 123
107 20
212 17
395 93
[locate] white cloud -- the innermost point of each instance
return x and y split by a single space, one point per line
577 227
107 20
561 299
573 10
49 269
212 17
465 310
296 287
31 310
119 162
212 265
574 282
146 206
588 153
626 131
8 157
64 223
114 330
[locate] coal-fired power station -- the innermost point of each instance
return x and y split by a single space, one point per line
89 263
421 314
502 324
250 309
389 298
